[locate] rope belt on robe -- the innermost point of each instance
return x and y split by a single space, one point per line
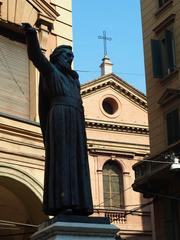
68 101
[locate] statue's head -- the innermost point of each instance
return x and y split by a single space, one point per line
63 56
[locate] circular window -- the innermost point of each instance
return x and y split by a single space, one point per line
110 105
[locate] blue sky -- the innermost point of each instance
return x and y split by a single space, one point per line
122 22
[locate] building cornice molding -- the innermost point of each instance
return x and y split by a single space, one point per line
43 7
119 85
170 19
46 14
18 127
21 155
164 7
170 94
118 127
40 13
116 149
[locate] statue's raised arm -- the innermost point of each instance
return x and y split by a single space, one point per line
34 51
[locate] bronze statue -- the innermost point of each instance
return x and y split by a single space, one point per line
67 182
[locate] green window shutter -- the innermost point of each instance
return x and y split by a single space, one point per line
173 126
171 219
156 58
170 50
162 2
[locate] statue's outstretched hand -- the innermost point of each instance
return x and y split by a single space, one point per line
26 26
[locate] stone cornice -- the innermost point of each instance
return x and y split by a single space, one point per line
169 95
17 127
90 123
20 155
20 140
44 7
165 23
118 127
113 81
117 148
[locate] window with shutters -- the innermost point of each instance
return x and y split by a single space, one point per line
173 126
162 2
14 74
112 185
163 53
171 218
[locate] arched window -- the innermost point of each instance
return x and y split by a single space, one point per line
112 185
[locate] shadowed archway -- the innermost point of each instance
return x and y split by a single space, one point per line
20 207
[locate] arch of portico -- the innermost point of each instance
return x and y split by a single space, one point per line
20 203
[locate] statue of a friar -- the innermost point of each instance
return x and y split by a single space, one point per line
67 187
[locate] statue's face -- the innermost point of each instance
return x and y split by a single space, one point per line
65 58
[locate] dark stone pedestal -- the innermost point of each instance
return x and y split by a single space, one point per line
67 227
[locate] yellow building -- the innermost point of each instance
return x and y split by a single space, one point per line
21 146
116 123
158 176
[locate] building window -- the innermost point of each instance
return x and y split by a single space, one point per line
163 53
14 74
162 2
173 128
171 218
110 105
112 185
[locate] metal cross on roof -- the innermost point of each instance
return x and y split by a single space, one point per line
105 38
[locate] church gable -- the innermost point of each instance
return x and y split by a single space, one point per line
31 11
110 99
119 85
